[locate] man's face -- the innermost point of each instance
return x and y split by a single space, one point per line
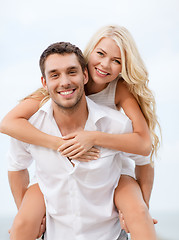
64 79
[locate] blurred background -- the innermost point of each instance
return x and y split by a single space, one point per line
28 27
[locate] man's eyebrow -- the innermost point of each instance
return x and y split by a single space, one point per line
72 68
52 71
106 53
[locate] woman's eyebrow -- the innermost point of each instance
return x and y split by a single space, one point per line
101 50
106 52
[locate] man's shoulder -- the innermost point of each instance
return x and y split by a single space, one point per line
43 113
108 112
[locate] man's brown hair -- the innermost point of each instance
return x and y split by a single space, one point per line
61 48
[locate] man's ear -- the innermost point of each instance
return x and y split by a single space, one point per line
44 83
85 76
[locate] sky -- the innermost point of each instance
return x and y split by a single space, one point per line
28 27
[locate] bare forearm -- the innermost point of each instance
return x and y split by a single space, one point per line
18 181
16 125
145 178
22 130
129 142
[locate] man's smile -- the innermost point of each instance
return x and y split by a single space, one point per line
66 92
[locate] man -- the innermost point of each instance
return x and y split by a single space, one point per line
78 195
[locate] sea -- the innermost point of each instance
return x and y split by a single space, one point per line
167 227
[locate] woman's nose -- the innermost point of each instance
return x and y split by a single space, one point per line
105 63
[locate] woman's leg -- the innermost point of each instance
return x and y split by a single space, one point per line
28 220
128 199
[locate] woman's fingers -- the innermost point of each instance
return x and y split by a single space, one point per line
70 144
71 151
92 154
69 136
64 146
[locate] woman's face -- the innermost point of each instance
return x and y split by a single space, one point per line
105 61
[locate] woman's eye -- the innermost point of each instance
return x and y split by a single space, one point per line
100 53
117 61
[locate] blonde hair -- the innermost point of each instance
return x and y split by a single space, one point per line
40 94
133 72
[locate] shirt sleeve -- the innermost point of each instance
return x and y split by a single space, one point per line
128 166
138 159
18 156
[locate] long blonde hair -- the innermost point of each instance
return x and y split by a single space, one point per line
133 72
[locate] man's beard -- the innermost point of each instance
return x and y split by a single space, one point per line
73 107
70 108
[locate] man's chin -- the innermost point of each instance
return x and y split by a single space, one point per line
68 105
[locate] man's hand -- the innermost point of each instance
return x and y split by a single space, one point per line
122 222
42 227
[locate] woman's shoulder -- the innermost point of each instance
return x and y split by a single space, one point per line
121 91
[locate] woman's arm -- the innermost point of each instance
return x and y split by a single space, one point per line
140 138
15 124
138 142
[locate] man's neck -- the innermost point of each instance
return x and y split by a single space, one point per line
70 120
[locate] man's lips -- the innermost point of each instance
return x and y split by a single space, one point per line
66 92
101 72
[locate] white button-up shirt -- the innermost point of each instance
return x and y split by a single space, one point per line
79 198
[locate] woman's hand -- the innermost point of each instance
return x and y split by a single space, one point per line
92 154
77 144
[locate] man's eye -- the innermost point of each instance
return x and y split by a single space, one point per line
72 72
54 75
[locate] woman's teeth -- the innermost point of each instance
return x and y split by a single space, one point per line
103 73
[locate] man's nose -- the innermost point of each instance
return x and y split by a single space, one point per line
65 81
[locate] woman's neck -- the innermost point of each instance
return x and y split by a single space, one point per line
91 87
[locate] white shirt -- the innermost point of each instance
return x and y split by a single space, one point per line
79 199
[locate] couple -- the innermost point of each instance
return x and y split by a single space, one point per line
78 195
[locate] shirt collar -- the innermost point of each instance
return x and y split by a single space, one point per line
47 108
95 112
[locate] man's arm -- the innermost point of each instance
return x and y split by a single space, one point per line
18 181
145 178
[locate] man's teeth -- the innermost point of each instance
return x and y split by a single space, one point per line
101 72
67 92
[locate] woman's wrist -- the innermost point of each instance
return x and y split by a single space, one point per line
54 142
94 138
